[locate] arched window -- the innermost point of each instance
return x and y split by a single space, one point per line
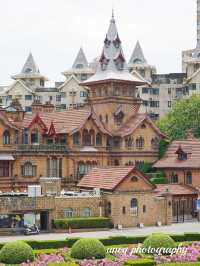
106 118
123 210
140 143
98 139
25 136
87 212
81 169
174 178
100 118
35 136
134 206
76 138
28 169
144 208
129 142
6 137
189 178
69 212
109 208
87 140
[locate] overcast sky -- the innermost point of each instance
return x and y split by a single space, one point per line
55 29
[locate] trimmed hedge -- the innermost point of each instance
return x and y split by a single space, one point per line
79 223
16 252
140 262
108 241
181 264
88 248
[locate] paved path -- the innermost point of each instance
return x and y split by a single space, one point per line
175 228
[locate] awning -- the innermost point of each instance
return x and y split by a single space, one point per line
6 157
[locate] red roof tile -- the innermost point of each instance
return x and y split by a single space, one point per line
107 177
189 146
175 189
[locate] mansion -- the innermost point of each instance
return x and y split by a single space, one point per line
84 160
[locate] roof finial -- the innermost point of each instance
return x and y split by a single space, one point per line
113 17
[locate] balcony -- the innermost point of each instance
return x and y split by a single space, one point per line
42 148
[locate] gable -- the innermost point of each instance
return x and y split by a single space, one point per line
195 77
71 83
135 181
18 88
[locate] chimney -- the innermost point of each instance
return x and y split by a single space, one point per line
38 107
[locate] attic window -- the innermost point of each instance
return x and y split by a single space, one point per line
134 179
182 156
28 70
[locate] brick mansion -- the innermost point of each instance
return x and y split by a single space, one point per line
94 148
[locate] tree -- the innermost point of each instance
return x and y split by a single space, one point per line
185 114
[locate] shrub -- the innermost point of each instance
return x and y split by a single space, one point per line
159 240
78 223
16 252
88 248
140 262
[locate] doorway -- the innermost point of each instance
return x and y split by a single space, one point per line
44 221
184 209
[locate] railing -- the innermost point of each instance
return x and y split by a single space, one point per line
42 148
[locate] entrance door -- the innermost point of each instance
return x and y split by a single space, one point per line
44 220
183 210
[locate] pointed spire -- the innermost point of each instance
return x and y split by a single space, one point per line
137 56
112 63
30 66
80 61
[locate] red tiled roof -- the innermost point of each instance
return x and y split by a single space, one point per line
189 146
107 177
175 189
68 121
133 124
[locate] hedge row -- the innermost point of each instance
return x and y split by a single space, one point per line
140 262
108 241
79 223
181 264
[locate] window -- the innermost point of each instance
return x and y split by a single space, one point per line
109 208
84 167
54 167
25 136
189 178
69 212
174 178
169 104
134 207
129 142
83 76
106 118
4 168
123 210
140 143
86 212
76 138
83 94
145 90
155 104
155 143
28 169
119 118
98 139
144 208
88 137
169 90
72 93
41 82
58 98
35 136
6 137
28 97
28 109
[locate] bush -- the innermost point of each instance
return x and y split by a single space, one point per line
88 248
78 223
16 252
159 240
140 262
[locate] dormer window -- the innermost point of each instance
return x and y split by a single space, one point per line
119 118
182 156
28 70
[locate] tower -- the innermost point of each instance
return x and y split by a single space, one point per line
30 74
113 92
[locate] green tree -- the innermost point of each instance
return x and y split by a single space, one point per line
185 114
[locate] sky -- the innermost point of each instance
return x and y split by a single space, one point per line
54 30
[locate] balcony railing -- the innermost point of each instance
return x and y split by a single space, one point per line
42 148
